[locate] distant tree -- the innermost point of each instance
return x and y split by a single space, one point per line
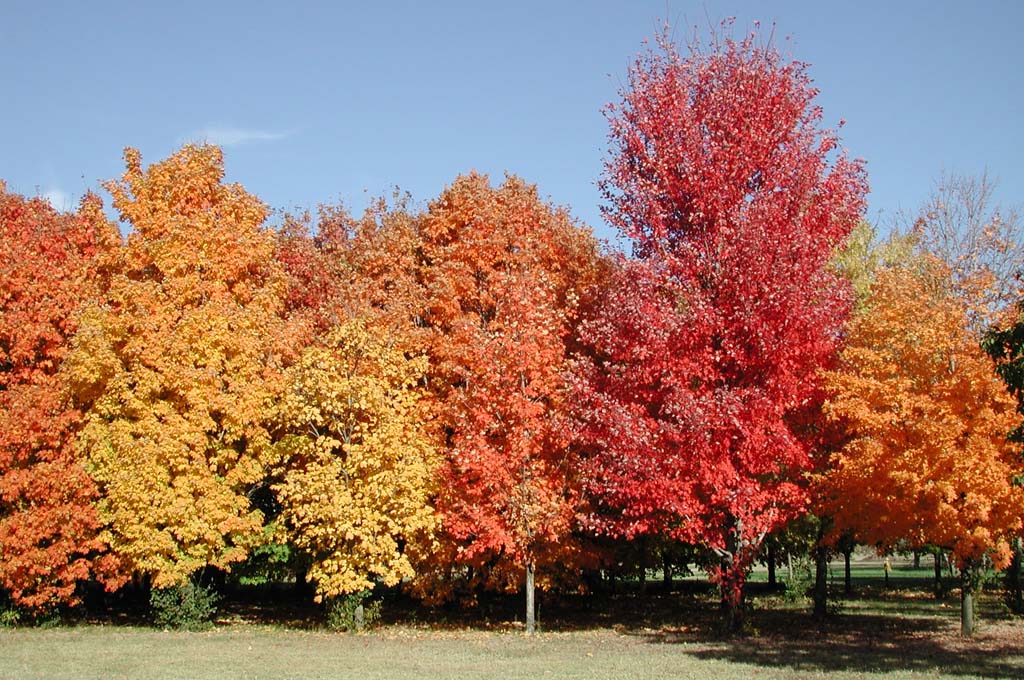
49 531
711 342
981 243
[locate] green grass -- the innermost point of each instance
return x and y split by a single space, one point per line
896 632
400 652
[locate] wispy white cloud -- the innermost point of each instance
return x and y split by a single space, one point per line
226 135
59 199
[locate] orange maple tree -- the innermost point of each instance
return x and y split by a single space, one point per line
927 460
503 273
48 526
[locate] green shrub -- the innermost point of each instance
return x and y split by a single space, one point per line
800 585
187 606
9 617
343 611
13 616
267 563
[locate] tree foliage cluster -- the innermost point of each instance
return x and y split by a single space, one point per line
474 393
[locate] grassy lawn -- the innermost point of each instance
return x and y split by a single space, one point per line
898 632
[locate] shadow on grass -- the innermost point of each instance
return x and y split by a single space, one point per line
272 604
859 642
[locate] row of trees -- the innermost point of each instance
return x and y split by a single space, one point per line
474 395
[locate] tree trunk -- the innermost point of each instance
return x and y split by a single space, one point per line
917 559
530 620
666 572
302 588
643 566
731 604
967 600
359 617
771 564
731 585
938 574
1013 578
847 576
789 567
820 583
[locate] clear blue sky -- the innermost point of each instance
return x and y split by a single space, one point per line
321 102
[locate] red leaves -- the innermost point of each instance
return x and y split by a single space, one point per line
706 346
502 271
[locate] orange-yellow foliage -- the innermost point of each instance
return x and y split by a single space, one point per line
359 461
927 458
48 527
177 367
503 273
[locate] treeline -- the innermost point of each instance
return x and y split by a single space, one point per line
475 395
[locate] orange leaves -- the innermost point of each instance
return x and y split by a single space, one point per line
422 392
927 459
48 528
178 365
503 274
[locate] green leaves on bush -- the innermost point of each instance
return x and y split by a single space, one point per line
187 606
352 612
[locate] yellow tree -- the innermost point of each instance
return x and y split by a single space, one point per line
927 459
360 463
177 367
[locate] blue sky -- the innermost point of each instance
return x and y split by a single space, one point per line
327 102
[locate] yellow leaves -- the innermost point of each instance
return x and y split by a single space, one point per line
359 461
176 368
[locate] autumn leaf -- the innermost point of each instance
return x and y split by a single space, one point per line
359 461
927 460
705 354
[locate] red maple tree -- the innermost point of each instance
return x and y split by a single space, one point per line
709 346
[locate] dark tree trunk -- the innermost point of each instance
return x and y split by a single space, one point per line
847 576
938 573
820 583
917 559
1013 578
772 583
643 566
302 588
666 572
967 600
731 586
